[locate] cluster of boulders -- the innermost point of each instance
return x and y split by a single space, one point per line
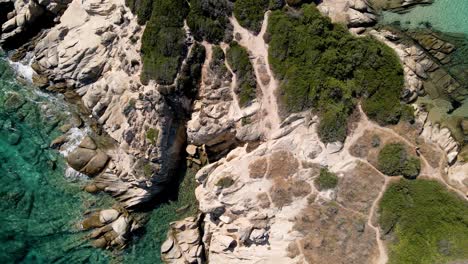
22 17
93 54
110 227
183 244
87 158
422 70
356 14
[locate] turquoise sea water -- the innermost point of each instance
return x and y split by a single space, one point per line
39 207
450 16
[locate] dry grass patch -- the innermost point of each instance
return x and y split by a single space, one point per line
263 199
300 188
334 235
369 145
258 168
282 165
359 188
280 193
431 154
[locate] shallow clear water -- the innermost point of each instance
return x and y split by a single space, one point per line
39 206
450 16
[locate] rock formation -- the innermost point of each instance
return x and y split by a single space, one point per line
260 202
258 199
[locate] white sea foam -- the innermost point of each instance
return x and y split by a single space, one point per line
74 137
23 68
72 174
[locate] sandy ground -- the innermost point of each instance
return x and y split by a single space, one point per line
259 52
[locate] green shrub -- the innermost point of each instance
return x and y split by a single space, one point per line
322 66
250 13
148 170
430 224
393 160
164 41
152 135
209 20
190 74
238 59
276 4
142 8
326 180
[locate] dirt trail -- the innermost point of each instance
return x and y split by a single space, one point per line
259 58
427 170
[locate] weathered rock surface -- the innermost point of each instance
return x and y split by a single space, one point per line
93 51
183 244
355 14
217 120
26 18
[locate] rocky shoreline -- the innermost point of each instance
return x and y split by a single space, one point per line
91 54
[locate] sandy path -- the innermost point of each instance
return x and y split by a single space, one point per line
426 170
259 59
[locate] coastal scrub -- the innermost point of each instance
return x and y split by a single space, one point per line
394 160
321 66
238 58
426 222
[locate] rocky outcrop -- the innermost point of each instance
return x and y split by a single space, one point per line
110 227
217 121
183 244
26 19
94 52
260 204
356 14
87 159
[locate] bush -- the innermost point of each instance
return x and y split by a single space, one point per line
142 8
190 74
429 223
152 135
238 59
209 20
250 13
326 180
322 66
393 160
164 43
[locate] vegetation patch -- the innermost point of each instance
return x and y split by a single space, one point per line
152 135
225 182
394 160
238 59
142 8
326 180
430 224
250 13
209 20
322 66
163 44
190 73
